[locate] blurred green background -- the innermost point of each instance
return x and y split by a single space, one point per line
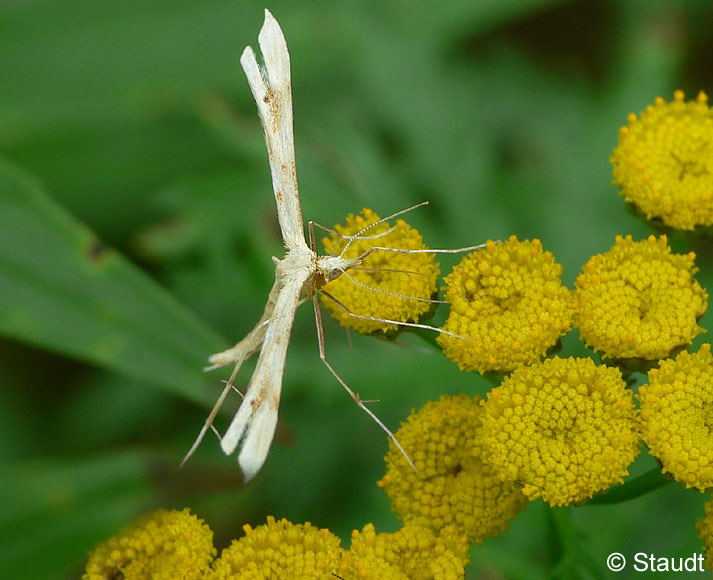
137 224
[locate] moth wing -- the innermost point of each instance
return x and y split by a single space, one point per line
255 422
252 342
271 87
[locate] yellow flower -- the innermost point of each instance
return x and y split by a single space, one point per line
389 285
676 409
164 545
452 485
664 162
509 302
705 532
638 300
280 549
412 553
563 429
178 546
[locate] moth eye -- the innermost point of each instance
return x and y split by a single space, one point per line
333 275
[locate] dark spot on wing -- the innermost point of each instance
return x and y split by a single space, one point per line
258 401
269 99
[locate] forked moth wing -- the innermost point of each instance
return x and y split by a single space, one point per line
272 88
252 342
256 419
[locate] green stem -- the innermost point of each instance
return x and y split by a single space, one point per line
641 485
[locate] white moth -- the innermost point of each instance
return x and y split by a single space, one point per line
300 273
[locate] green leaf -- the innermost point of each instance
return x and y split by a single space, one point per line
57 508
63 290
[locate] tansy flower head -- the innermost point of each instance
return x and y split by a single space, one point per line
638 300
705 532
509 302
677 417
564 429
664 162
451 484
412 553
280 549
388 285
165 545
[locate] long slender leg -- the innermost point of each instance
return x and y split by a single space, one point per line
236 355
352 394
230 384
312 237
323 357
424 251
396 322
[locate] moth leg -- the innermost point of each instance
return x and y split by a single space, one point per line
229 384
355 396
396 322
236 355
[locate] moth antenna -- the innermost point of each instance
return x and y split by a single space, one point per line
381 221
395 294
388 270
343 237
359 236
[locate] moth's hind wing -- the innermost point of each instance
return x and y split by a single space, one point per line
255 422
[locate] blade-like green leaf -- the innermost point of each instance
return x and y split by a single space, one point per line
62 289
58 508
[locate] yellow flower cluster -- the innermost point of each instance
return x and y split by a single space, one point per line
178 546
165 545
563 429
280 549
412 553
676 417
638 300
664 162
388 285
560 430
451 485
508 302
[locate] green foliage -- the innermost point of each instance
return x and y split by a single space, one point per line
137 224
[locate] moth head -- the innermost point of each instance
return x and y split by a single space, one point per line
331 267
